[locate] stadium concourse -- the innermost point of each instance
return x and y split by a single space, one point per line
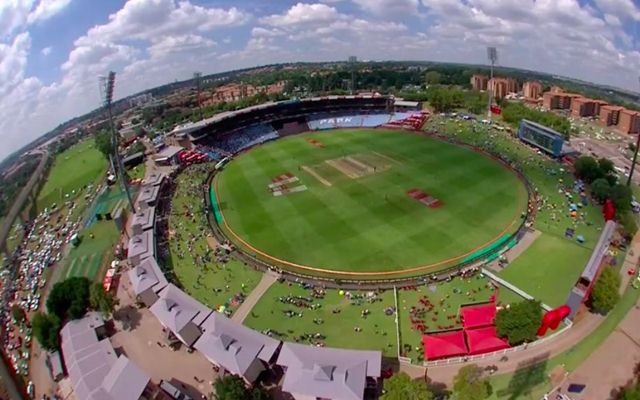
158 324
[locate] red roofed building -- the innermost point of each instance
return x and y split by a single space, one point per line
444 345
478 316
484 340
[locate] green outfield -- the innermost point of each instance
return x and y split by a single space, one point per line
344 206
72 170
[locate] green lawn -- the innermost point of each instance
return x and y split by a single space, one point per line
545 269
72 170
370 223
92 253
190 256
137 172
378 330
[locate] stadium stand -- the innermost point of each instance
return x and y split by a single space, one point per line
374 120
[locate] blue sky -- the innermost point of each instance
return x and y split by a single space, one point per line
51 51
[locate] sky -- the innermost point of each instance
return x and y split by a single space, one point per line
53 51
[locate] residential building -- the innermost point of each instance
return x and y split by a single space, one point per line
479 82
610 115
236 348
95 371
629 121
181 314
556 99
500 87
147 280
532 90
325 373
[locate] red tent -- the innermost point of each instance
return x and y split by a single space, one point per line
484 340
443 345
477 316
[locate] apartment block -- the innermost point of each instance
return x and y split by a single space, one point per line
532 90
479 82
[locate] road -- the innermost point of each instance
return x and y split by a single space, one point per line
610 150
18 204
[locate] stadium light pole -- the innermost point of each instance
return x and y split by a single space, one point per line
196 77
492 54
106 91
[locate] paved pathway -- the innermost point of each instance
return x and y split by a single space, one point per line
268 279
630 261
513 253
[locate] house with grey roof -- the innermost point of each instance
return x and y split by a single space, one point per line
143 219
236 348
147 280
326 373
95 370
141 246
181 314
147 196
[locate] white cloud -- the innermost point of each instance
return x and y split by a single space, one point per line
46 51
13 15
388 7
152 19
13 61
623 9
180 44
303 14
47 9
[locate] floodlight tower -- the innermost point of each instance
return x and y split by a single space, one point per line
197 78
635 157
492 54
107 84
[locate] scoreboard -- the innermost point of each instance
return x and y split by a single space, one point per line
540 136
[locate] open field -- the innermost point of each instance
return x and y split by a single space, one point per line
72 170
539 271
92 253
211 283
365 222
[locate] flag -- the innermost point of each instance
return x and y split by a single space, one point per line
495 109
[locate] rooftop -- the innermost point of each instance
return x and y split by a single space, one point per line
147 275
327 373
154 178
95 371
232 345
175 309
141 245
167 152
148 194
144 217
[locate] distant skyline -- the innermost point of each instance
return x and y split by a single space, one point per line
52 51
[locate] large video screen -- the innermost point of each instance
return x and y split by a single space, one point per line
549 143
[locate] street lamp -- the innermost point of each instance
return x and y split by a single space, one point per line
107 84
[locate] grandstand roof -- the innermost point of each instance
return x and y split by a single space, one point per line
148 194
484 340
232 345
478 315
443 345
153 178
141 246
322 372
144 218
147 275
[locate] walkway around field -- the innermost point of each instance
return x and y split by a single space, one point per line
523 244
268 279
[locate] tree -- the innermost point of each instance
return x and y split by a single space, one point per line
631 392
100 300
45 329
628 221
605 293
230 387
401 387
601 189
621 196
520 322
606 166
587 168
104 143
69 298
258 393
469 384
17 313
432 78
